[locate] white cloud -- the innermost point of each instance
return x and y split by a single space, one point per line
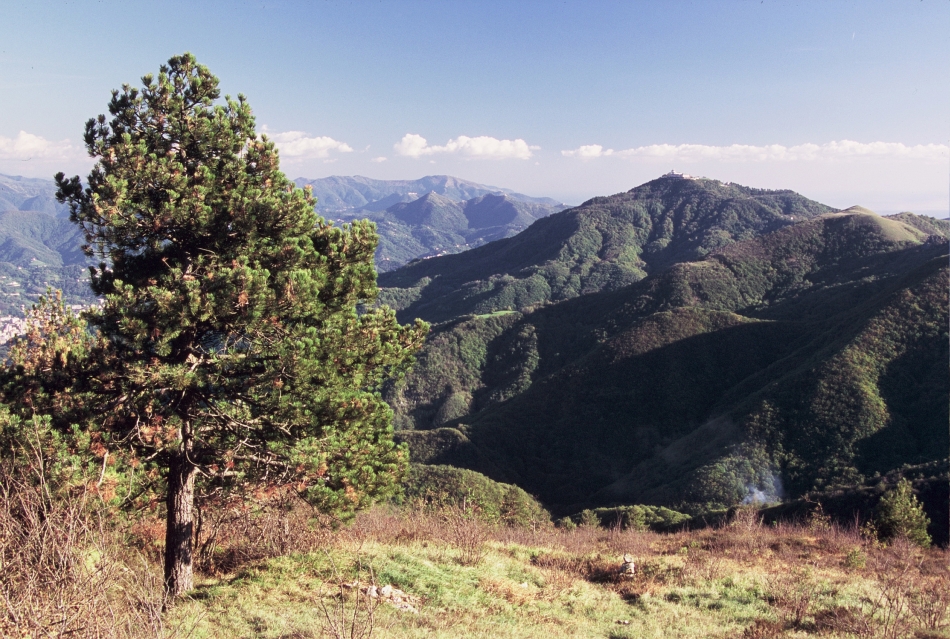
26 146
381 158
838 150
482 147
297 145
588 152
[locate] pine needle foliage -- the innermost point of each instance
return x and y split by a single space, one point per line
234 351
900 514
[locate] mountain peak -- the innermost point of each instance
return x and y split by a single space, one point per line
856 210
604 244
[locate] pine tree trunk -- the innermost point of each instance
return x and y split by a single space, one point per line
179 526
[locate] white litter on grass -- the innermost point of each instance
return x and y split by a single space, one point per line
397 598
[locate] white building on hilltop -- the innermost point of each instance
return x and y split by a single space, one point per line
676 175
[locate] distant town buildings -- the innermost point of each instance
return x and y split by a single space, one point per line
12 326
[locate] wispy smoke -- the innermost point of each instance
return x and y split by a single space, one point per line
768 490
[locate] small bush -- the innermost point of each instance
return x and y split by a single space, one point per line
467 531
900 514
856 559
641 517
445 486
565 523
589 519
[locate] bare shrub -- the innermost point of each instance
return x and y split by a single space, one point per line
415 522
629 541
466 531
352 615
701 566
929 601
229 534
794 594
64 570
888 608
910 592
745 531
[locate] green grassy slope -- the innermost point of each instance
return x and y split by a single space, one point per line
811 354
743 579
604 244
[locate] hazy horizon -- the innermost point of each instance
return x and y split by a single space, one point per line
843 102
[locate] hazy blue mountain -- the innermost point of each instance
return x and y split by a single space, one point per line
432 216
436 225
339 194
30 194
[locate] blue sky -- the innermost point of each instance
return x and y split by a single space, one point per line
845 102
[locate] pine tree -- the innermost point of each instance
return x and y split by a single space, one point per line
900 514
238 338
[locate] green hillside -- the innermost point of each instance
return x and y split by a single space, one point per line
39 247
604 244
29 238
808 356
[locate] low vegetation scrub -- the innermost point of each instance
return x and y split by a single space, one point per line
269 568
65 567
900 514
457 575
492 502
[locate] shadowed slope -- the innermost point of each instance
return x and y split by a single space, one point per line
812 353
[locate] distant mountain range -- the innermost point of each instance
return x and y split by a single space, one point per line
30 194
688 343
39 246
421 218
435 215
342 194
435 225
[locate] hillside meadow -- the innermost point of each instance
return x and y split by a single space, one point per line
463 580
447 570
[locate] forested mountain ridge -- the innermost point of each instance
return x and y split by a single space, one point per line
814 354
39 246
604 244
